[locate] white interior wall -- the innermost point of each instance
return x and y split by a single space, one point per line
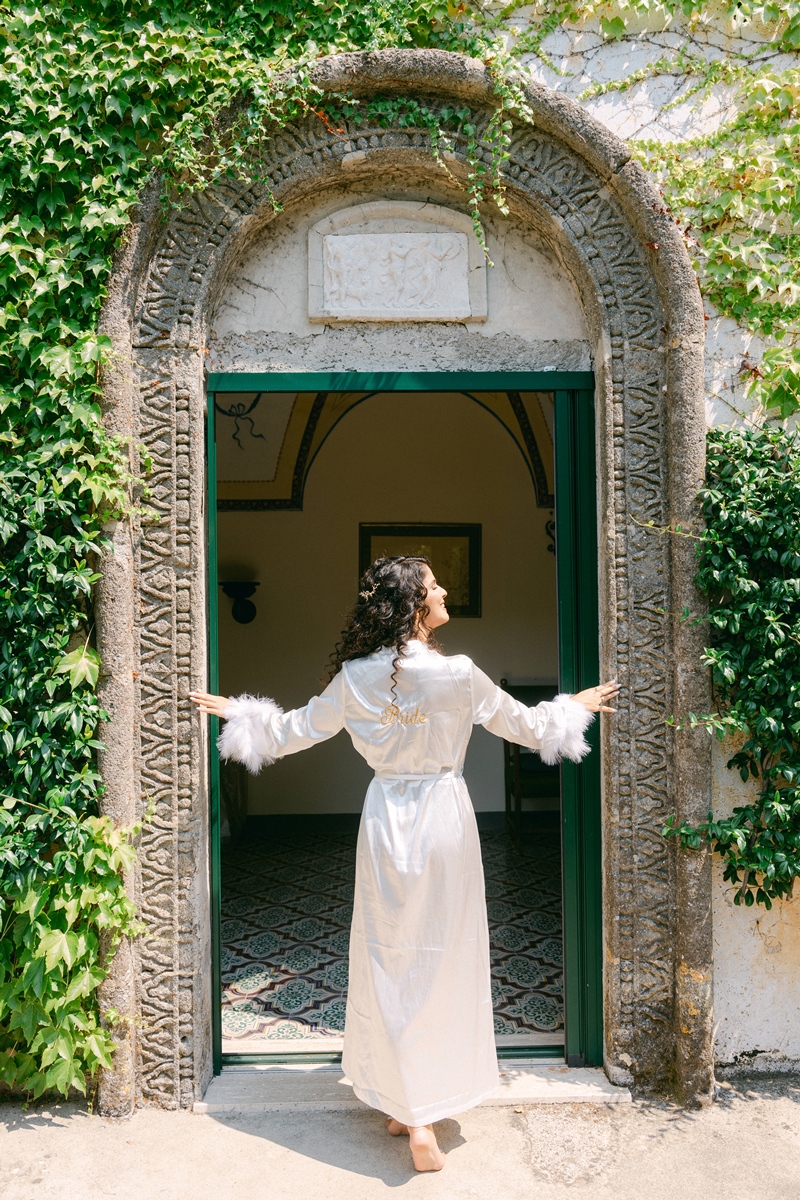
394 458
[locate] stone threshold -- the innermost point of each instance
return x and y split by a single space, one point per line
335 1045
306 1087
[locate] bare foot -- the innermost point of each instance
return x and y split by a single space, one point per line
425 1149
395 1127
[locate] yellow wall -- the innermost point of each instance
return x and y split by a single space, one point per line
395 458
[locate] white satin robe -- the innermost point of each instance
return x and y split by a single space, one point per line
419 1032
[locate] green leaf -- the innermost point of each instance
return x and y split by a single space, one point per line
82 665
84 983
613 27
100 1047
31 1017
33 977
61 361
57 947
64 1075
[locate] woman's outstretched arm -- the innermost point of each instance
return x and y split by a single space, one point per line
555 727
257 730
594 699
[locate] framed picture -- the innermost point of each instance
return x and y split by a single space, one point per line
454 551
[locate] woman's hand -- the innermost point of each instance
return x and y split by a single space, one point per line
595 698
215 705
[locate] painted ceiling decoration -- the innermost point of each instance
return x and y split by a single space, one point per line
267 442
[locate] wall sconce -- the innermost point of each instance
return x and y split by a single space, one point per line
243 609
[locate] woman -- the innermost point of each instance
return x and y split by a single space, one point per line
419 1034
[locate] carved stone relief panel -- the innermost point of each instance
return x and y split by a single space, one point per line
396 260
171 643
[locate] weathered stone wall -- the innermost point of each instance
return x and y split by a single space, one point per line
576 188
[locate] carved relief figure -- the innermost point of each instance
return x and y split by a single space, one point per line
395 272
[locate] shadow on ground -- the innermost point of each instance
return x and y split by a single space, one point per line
651 1149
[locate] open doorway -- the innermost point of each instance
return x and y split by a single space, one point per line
303 480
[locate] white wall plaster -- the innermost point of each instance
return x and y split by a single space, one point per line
534 316
576 59
728 347
661 109
756 958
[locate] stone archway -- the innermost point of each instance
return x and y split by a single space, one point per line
578 186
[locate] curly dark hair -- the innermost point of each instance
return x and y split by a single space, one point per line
388 611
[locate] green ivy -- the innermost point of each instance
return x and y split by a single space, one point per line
96 96
59 933
749 568
738 191
735 193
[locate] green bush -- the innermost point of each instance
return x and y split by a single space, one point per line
750 572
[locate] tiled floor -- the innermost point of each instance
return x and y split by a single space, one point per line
287 892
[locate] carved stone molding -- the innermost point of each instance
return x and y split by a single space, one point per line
576 185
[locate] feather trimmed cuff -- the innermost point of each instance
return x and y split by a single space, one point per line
248 735
563 737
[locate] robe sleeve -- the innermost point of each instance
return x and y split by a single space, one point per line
257 730
555 727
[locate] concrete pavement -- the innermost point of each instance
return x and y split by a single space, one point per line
746 1146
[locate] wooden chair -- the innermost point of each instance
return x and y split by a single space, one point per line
526 776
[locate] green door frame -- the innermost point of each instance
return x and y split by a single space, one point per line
579 667
576 565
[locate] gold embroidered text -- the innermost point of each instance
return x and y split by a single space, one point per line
392 715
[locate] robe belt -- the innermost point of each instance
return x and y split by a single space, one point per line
449 773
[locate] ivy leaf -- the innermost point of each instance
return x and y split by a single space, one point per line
117 104
612 27
84 983
82 665
57 947
65 1075
60 360
34 977
100 1049
30 1019
32 902
95 348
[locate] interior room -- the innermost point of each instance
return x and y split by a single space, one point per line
303 480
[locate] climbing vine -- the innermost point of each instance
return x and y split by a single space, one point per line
739 189
735 191
97 97
749 568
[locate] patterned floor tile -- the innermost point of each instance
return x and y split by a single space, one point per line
286 910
